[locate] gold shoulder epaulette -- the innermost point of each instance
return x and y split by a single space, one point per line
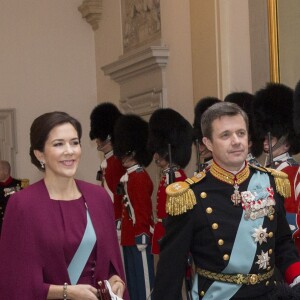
180 197
283 185
24 183
260 168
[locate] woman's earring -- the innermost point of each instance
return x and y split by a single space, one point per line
42 164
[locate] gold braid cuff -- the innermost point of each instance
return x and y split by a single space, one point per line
283 185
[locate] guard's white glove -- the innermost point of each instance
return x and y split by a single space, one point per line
119 235
141 247
112 294
295 281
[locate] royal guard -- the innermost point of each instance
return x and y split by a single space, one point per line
136 187
204 156
103 119
245 101
170 143
296 119
8 186
273 120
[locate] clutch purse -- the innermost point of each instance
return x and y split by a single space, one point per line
103 292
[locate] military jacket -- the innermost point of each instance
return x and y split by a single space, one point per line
112 172
139 188
208 230
6 190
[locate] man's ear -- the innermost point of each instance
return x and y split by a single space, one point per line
206 141
287 146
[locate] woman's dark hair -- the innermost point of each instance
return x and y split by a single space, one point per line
41 127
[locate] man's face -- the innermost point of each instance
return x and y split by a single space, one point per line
229 142
284 147
103 146
3 174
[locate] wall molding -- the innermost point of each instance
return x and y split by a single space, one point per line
142 104
8 141
139 62
91 10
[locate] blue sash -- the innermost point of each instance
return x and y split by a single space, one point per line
240 261
83 252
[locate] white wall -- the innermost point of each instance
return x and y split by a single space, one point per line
47 62
234 46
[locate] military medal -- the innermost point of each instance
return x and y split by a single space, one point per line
236 196
233 179
260 235
258 204
263 260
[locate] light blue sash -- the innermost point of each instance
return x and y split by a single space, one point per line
243 251
83 252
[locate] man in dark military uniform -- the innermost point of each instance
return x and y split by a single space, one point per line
8 186
231 219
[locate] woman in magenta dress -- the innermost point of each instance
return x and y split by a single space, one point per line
58 237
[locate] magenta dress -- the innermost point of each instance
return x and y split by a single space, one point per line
73 223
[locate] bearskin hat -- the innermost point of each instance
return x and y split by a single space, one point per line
103 119
168 127
202 105
130 137
296 115
273 112
245 101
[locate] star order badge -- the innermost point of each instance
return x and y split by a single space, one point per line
260 235
263 260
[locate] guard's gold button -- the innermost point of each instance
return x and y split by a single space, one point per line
214 226
209 210
270 234
220 242
267 283
226 257
203 195
202 293
270 251
271 217
269 268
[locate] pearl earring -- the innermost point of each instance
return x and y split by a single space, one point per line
42 164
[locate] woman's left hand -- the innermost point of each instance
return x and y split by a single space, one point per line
117 285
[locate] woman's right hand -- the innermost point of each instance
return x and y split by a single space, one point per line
82 292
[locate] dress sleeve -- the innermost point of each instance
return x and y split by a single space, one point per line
21 275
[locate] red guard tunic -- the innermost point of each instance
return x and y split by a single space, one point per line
139 189
159 229
112 172
288 165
